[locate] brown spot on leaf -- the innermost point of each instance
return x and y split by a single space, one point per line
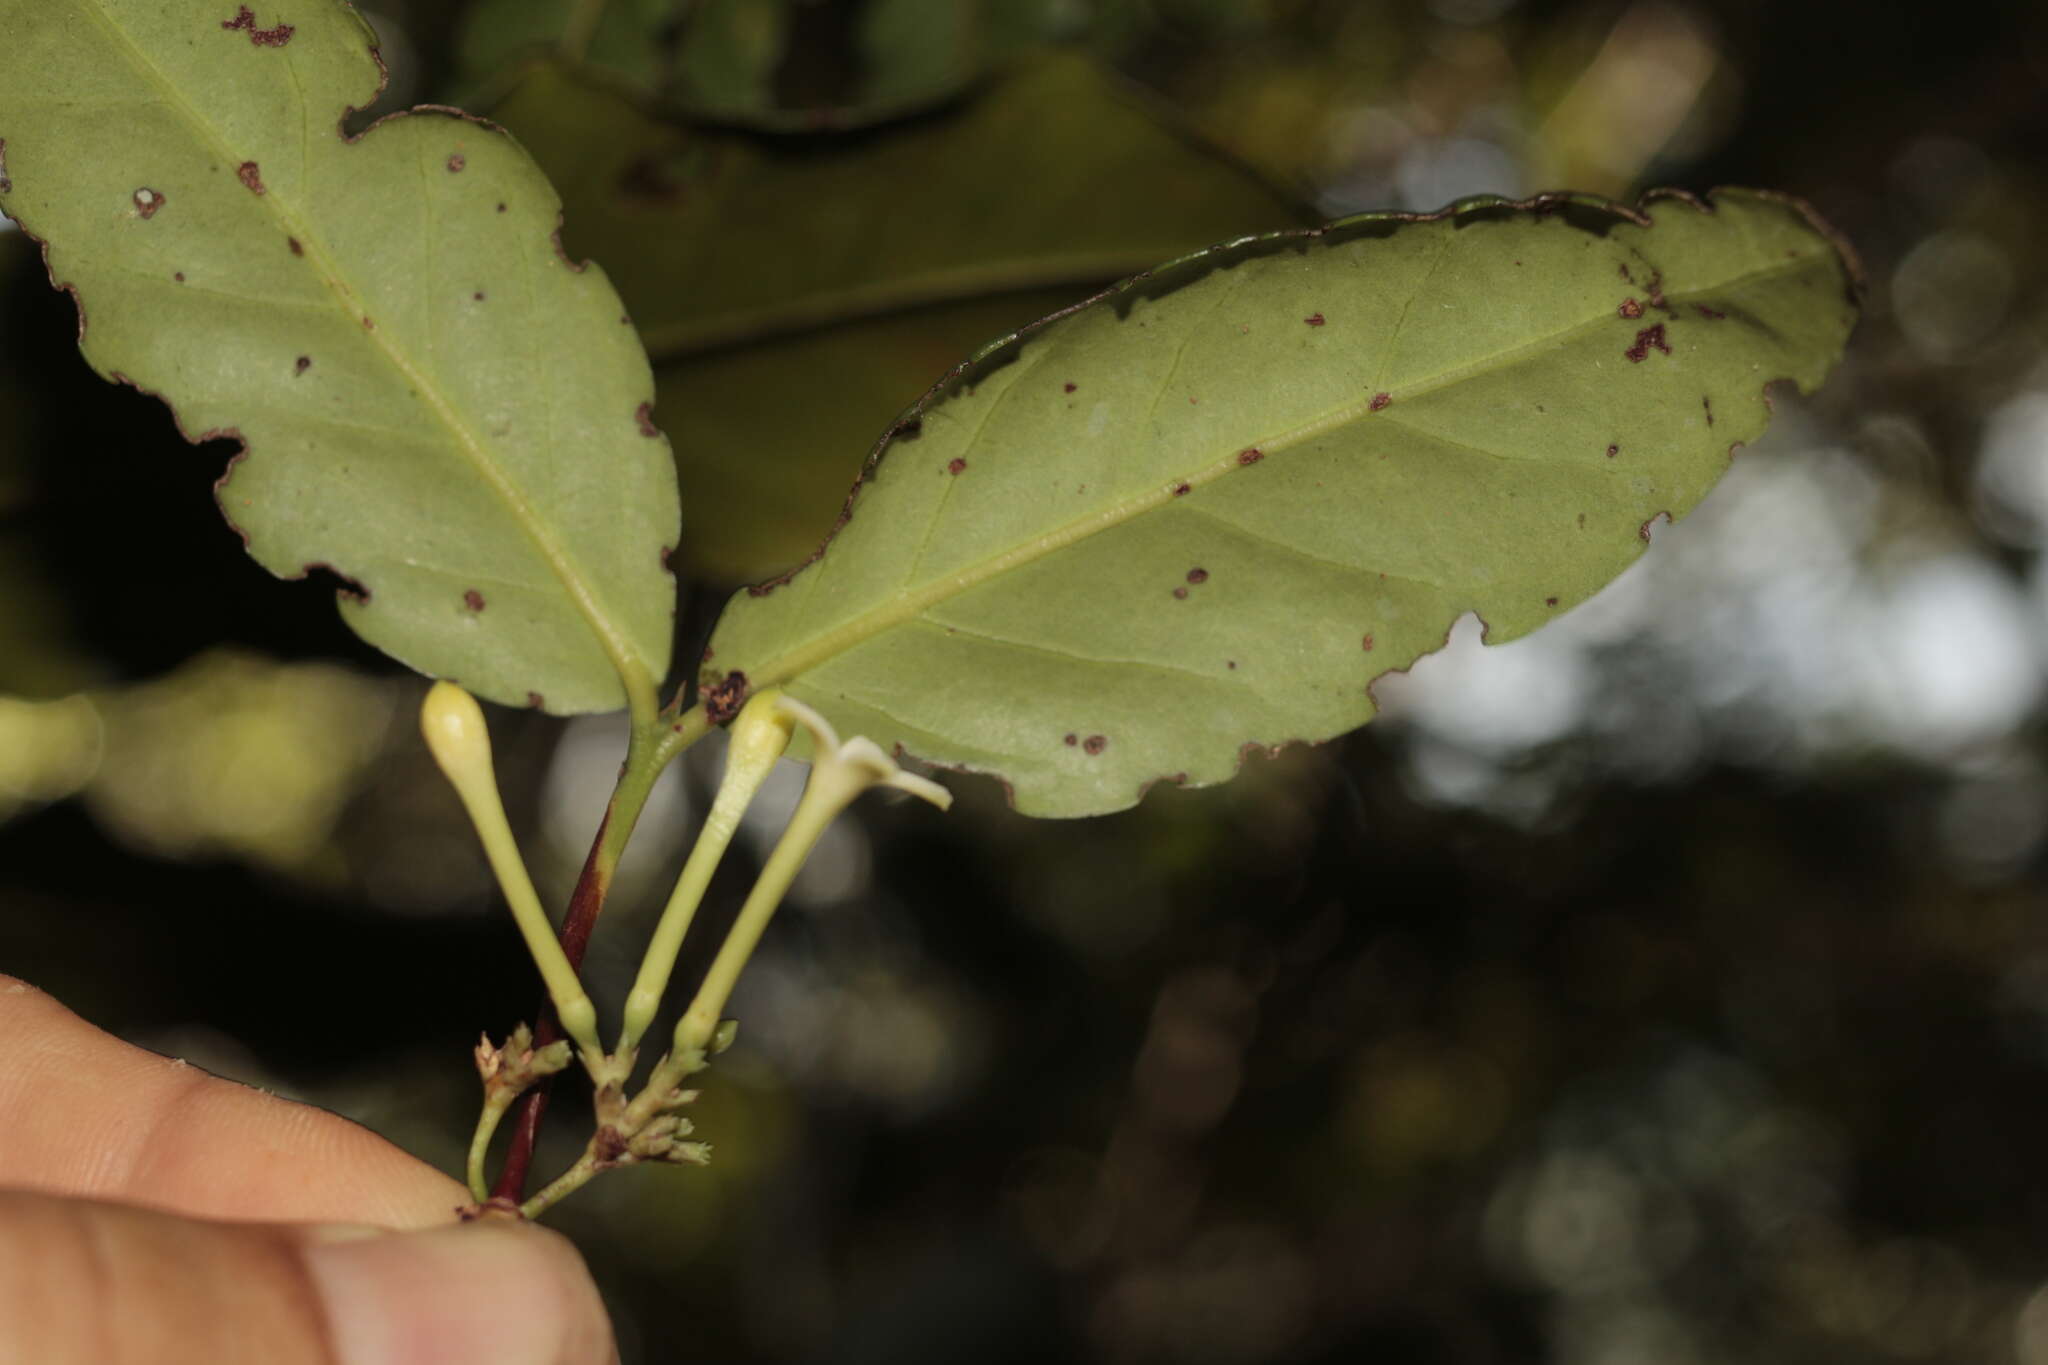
1380 400
1231 662
178 275
1623 268
1582 521
955 465
6 185
302 364
293 243
147 202
245 19
1550 601
1613 450
1198 575
1314 319
1708 405
456 161
1630 308
724 700
1250 456
536 701
1181 593
478 296
1368 644
1711 314
473 599
1094 744
251 177
1181 490
1072 739
644 415
1071 386
369 324
501 208
1645 339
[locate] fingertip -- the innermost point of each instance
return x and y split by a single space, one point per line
506 1293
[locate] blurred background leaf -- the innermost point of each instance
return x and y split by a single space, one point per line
797 294
1697 1012
782 65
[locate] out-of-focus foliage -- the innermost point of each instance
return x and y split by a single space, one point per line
869 264
787 65
1670 985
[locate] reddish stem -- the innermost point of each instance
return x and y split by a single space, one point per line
586 903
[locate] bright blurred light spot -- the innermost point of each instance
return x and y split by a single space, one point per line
1492 699
233 755
577 788
48 750
1631 100
1761 629
2012 471
839 868
1432 173
892 1041
1954 657
1950 293
1591 1226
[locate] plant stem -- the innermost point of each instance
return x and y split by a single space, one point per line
560 1188
650 751
685 730
480 1145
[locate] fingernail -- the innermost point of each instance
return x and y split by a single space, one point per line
492 1293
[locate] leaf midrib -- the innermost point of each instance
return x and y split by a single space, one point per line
905 606
610 637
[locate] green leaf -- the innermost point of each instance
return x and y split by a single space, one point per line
1204 513
864 264
434 402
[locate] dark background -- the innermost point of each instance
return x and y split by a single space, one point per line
1670 987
